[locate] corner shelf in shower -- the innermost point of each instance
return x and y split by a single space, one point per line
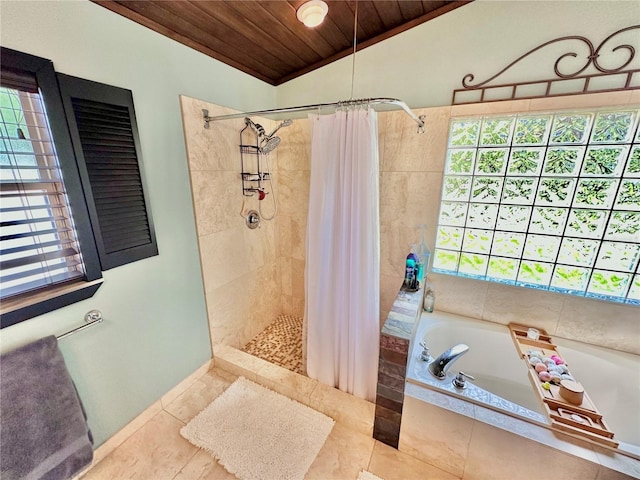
584 419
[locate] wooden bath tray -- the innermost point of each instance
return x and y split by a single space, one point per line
524 344
584 419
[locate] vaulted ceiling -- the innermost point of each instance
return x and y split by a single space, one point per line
265 39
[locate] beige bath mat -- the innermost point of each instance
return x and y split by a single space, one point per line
257 434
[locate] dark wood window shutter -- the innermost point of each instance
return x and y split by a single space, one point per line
48 255
105 139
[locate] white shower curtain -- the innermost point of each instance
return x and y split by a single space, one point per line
342 275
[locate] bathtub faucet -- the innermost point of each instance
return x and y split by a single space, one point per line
441 364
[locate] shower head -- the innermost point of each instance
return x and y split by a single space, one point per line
270 144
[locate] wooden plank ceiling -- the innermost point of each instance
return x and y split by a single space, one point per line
265 39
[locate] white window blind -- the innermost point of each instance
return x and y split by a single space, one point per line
38 246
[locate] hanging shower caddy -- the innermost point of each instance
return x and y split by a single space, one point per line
252 174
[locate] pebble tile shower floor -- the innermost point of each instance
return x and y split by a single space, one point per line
280 343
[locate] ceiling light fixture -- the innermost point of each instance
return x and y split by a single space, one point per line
312 13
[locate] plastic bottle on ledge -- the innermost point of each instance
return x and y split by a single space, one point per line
412 266
429 299
424 255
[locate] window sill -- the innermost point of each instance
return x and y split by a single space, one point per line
22 308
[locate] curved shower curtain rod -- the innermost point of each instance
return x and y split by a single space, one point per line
319 106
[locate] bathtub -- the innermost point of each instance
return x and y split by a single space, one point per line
501 383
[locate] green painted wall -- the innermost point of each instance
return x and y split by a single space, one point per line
155 331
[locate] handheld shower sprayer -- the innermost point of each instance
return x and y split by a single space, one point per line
285 123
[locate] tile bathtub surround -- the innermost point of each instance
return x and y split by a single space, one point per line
395 340
473 442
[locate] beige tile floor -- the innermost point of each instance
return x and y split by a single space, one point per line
156 451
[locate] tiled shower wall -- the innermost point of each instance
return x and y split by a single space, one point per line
294 167
269 265
240 267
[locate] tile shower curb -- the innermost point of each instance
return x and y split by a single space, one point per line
353 412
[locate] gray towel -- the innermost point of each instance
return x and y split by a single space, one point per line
43 429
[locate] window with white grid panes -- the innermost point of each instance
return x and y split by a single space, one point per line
549 201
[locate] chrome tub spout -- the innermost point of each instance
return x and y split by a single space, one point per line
441 364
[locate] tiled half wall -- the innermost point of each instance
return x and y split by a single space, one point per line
395 339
